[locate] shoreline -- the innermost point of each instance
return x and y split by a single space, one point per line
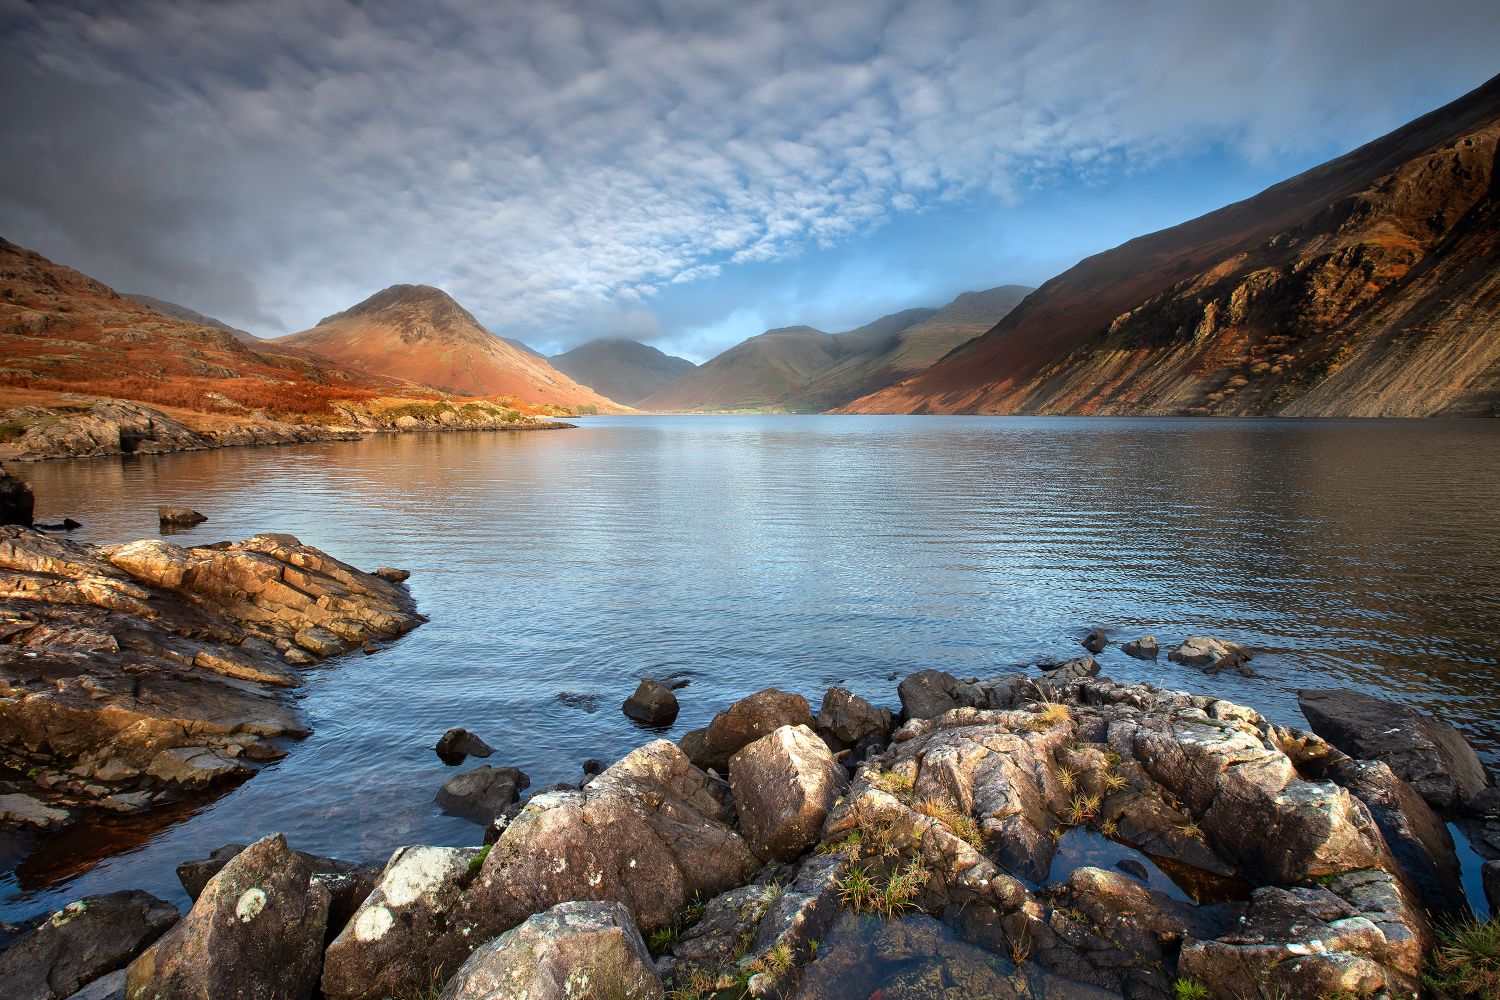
105 427
1039 819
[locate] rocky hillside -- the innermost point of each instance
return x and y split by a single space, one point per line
911 350
623 370
176 311
1368 286
419 334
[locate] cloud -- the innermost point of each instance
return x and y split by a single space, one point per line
556 166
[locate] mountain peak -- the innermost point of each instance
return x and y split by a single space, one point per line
409 299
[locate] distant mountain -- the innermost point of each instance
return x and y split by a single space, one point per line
420 334
1368 286
910 350
624 370
521 345
800 369
176 311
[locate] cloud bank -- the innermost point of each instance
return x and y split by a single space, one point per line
558 166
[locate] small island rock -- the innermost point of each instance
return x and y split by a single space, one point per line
652 704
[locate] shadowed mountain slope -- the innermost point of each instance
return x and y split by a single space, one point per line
624 370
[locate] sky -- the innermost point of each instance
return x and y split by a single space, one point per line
683 173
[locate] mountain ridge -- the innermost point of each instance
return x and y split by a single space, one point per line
625 370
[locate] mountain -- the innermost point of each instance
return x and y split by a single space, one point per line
1368 286
909 351
420 334
176 311
759 373
62 331
521 345
623 370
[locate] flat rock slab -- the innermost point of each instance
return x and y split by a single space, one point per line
1425 752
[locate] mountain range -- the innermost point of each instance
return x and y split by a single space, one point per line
624 370
801 369
1368 286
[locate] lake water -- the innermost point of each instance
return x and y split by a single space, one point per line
802 552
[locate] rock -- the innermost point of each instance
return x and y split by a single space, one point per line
1072 670
847 720
392 574
319 641
746 721
1144 648
650 832
1489 875
1095 641
194 874
21 811
573 950
1425 752
143 667
803 911
1419 840
82 942
482 793
1354 937
409 930
1133 868
110 987
460 743
929 693
1209 654
16 501
718 937
347 882
256 931
652 704
179 517
784 784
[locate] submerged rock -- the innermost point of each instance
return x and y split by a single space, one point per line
652 704
456 744
1425 752
784 784
482 793
148 666
256 931
1209 654
82 942
179 517
1144 648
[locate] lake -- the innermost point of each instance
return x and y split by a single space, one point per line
801 552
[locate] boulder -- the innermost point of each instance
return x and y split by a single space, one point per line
393 575
847 720
347 882
1419 840
1209 654
652 704
411 930
16 501
929 693
574 950
179 517
1425 752
256 931
746 721
1489 875
482 793
1095 641
82 942
1073 670
650 832
456 744
784 784
110 987
1354 937
1144 648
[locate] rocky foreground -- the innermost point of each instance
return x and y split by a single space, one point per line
778 854
135 675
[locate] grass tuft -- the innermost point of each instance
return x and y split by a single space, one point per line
1466 962
1188 989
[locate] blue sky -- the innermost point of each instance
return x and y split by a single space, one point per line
686 172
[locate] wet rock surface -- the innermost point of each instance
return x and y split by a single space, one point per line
481 794
456 744
134 673
652 704
1425 752
573 950
81 943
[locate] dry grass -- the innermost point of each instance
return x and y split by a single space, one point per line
1466 962
959 823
